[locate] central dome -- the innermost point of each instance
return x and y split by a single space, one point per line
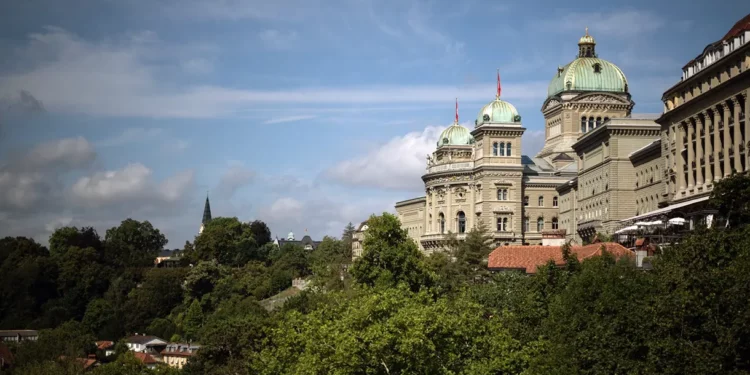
588 72
455 135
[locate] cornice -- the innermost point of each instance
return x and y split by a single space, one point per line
711 69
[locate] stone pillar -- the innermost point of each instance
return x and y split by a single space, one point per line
737 135
690 154
727 141
449 219
427 210
707 152
717 144
471 223
434 225
680 159
698 151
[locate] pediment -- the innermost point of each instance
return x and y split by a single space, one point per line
551 103
600 98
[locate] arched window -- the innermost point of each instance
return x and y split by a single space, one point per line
526 224
502 148
502 194
606 119
461 222
495 150
554 223
526 200
597 68
430 223
539 224
507 149
598 122
541 201
554 201
591 123
583 124
441 220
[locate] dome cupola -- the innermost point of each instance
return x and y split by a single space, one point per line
498 110
588 72
455 135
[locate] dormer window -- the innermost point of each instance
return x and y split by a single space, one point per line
445 141
486 117
597 68
560 71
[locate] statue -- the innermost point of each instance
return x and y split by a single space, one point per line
429 160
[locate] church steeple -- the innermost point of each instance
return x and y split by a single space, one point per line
206 215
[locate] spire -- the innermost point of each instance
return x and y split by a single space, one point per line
206 211
587 31
456 110
499 88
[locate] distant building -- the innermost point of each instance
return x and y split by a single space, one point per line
143 343
147 359
108 347
18 335
168 258
177 354
528 258
306 242
358 238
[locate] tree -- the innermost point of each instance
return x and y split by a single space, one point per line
729 197
100 318
161 327
159 293
64 238
227 240
193 320
346 239
390 256
261 233
327 263
81 279
202 278
133 244
469 256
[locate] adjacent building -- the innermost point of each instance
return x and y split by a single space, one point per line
306 242
177 354
18 335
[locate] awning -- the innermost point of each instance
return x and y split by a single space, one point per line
677 221
665 210
627 229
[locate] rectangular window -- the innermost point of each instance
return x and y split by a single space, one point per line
526 200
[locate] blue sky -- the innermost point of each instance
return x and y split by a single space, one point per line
306 114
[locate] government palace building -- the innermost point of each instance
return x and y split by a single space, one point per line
602 167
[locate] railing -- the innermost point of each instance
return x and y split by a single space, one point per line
451 167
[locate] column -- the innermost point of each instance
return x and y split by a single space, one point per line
472 206
450 221
434 225
690 154
737 135
680 159
698 151
727 141
427 210
707 152
717 144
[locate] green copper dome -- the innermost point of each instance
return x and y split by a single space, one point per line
455 135
588 72
498 111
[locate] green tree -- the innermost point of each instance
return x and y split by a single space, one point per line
346 239
81 279
390 256
203 278
71 340
228 241
729 197
159 293
161 327
100 318
261 233
193 320
327 263
64 238
133 244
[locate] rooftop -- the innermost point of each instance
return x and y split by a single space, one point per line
144 339
528 258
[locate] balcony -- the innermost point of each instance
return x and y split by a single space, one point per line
451 167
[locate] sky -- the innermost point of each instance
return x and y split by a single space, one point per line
305 114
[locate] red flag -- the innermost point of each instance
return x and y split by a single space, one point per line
499 89
456 110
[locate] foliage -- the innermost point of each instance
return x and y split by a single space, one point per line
729 197
133 244
261 233
100 318
228 241
390 257
202 278
193 320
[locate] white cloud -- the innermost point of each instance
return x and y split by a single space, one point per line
397 164
66 153
278 39
115 79
234 178
280 120
532 142
131 135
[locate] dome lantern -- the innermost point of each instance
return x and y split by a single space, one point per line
587 45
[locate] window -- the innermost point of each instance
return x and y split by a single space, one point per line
526 224
539 224
502 194
441 220
598 122
554 201
502 224
502 148
541 201
597 68
495 150
507 149
554 223
591 123
526 200
583 124
461 222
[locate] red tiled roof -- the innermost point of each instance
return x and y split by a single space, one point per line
103 345
740 26
145 358
528 258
